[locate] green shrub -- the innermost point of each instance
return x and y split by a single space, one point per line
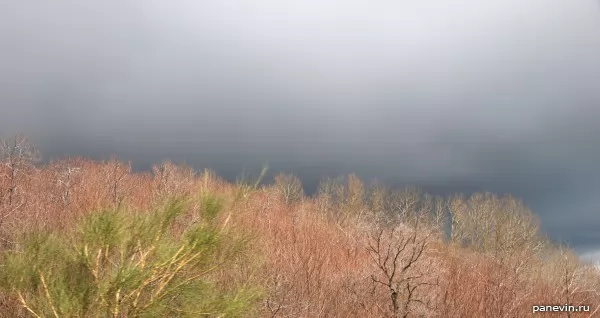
131 265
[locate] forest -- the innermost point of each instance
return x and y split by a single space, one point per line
86 238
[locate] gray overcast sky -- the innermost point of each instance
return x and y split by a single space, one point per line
452 95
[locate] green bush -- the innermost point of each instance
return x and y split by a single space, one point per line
131 265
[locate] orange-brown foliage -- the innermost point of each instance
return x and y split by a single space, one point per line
314 265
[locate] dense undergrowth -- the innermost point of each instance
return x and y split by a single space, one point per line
81 238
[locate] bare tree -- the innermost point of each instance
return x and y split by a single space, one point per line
402 268
332 195
289 187
67 175
18 156
507 233
569 273
171 179
377 199
344 198
116 173
494 225
325 194
404 203
435 207
356 194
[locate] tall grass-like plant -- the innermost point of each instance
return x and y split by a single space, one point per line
245 186
131 265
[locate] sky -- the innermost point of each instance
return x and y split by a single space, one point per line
449 95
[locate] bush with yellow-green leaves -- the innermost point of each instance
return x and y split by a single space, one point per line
121 264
